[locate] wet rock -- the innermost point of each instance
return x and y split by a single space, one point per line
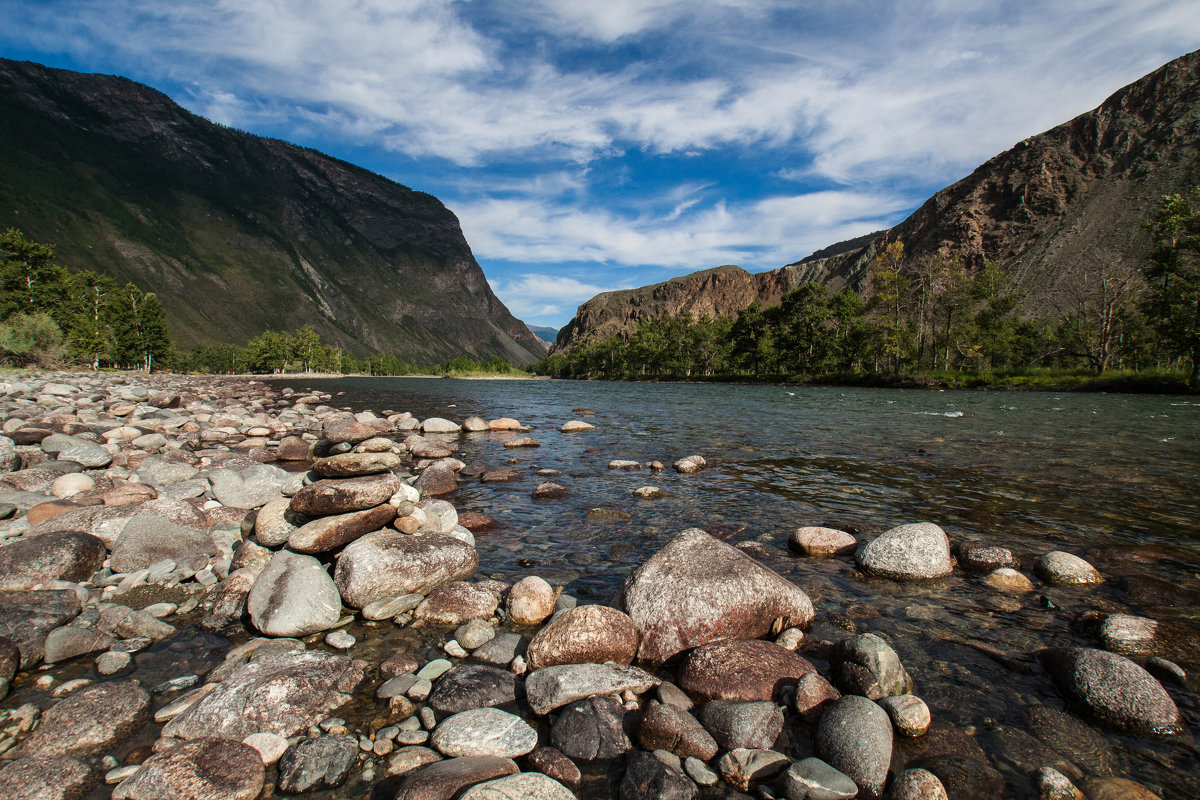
69 556
866 664
582 635
1006 579
646 776
966 778
501 650
753 725
148 539
918 784
474 634
69 641
474 521
443 780
591 729
389 607
350 465
919 551
855 737
501 475
689 464
389 563
556 765
821 542
129 623
407 759
440 425
269 746
89 722
575 426
340 496
624 463
524 786
27 617
1050 784
323 762
45 778
976 557
1060 567
293 596
742 767
456 602
523 441
553 687
483 732
1166 670
548 490
229 600
1117 789
697 589
279 692
664 727
1113 689
813 779
909 714
204 769
530 601
469 686
1123 633
329 533
437 480
740 669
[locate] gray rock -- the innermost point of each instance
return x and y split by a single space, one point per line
112 662
162 472
81 451
468 686
1060 567
741 767
293 596
553 687
1125 634
866 664
70 641
665 727
443 780
66 555
501 650
149 538
388 563
1113 689
484 732
204 769
525 786
129 623
27 617
89 722
45 778
388 607
697 589
474 634
1050 784
328 533
646 777
317 763
591 729
341 496
813 779
986 558
908 552
909 714
279 692
753 725
250 488
855 737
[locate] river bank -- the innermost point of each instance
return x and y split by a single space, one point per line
407 628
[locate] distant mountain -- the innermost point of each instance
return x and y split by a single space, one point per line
1047 210
544 334
238 233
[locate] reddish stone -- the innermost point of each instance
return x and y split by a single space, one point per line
741 669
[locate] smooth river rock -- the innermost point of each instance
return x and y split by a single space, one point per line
323 762
483 732
1060 567
753 725
68 556
293 596
591 729
740 669
855 738
1113 689
525 786
469 686
588 634
552 687
349 465
919 551
866 664
697 589
89 722
821 542
329 533
646 777
330 496
45 778
203 769
443 780
389 563
149 538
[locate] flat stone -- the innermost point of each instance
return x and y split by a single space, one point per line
348 430
646 777
484 732
813 779
821 542
501 650
407 759
317 763
149 538
270 746
689 464
665 727
1122 633
977 557
1065 568
388 607
552 687
388 563
456 602
443 780
440 425
549 490
204 769
329 533
330 496
584 634
742 767
349 465
525 786
522 441
1007 579
69 641
576 426
474 634
68 556
89 722
740 669
469 686
919 551
26 617
251 487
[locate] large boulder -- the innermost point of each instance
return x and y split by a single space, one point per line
293 596
583 635
204 769
329 533
27 617
45 778
350 465
149 538
740 669
697 589
907 553
339 496
65 555
389 563
89 722
278 692
1113 689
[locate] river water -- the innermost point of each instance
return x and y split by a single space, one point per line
1114 478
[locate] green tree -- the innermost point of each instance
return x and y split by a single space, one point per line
752 347
32 339
30 280
888 293
804 338
306 346
1173 298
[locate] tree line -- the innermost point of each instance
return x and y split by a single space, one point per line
931 316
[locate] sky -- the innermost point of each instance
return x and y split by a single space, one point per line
590 145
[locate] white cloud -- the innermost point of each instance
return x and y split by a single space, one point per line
542 298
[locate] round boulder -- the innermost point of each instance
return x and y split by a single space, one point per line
293 596
203 769
920 551
530 601
389 563
1060 567
1113 689
63 555
584 635
855 738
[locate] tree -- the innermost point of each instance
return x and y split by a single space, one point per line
306 345
752 338
152 325
888 292
91 336
1173 298
29 279
803 336
1094 308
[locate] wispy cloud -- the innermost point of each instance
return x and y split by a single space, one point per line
534 296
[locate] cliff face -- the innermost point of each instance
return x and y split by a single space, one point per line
1047 210
237 233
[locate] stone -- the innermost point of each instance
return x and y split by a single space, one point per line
813 779
45 778
753 724
229 600
530 601
549 490
585 634
976 557
962 776
388 607
867 665
1065 568
149 538
646 777
251 487
132 623
501 650
469 686
81 451
741 766
591 729
317 763
475 425
918 784
1007 579
576 426
697 589
739 669
855 738
70 641
427 448
1050 784
112 662
522 441
339 496
552 687
1112 689
278 692
348 430
27 617
524 786
440 425
67 556
821 542
909 714
555 764
388 563
270 746
812 696
436 480
324 534
293 596
1120 633
203 769
292 448
349 465
443 780
664 727
276 522
1117 789
71 484
918 551
689 464
89 722
483 732
440 516
474 634
456 602
624 463
475 522
406 759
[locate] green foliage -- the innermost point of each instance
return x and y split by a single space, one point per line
1173 299
32 339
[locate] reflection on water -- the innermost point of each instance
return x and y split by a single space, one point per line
1111 477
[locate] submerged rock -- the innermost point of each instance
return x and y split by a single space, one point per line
323 762
1113 689
865 664
45 778
1060 567
89 722
204 769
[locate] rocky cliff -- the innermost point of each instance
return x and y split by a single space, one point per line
1053 206
238 233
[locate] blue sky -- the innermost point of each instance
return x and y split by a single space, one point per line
590 145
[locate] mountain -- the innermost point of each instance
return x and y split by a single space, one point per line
1047 210
544 334
237 233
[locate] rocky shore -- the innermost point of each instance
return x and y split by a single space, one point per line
213 588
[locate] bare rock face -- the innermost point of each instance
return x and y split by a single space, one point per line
697 589
583 635
750 669
203 769
389 563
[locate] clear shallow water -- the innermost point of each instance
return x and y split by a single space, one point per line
1114 478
